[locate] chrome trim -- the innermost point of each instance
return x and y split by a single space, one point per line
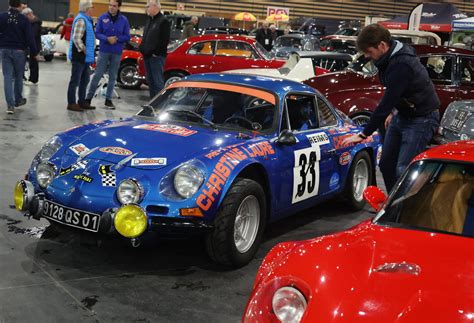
141 191
399 267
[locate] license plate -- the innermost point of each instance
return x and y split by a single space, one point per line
72 217
458 121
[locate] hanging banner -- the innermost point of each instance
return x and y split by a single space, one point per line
277 10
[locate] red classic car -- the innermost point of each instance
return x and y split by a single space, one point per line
357 90
129 64
412 263
213 53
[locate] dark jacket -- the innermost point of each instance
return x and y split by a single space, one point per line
156 36
15 32
409 88
264 38
188 30
36 29
108 26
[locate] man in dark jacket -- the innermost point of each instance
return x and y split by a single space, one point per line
188 27
264 36
113 31
410 97
32 62
156 37
15 37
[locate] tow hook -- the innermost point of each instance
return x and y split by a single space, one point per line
135 242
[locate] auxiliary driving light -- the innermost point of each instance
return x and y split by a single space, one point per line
130 221
23 194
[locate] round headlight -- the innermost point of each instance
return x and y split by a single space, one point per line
129 191
187 180
50 148
45 174
289 304
130 221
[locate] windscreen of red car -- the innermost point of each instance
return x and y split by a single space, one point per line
434 196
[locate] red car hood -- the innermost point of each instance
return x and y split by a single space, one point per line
346 80
345 285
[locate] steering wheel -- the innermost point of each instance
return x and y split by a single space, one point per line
253 125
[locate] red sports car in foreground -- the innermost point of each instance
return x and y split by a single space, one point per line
414 262
213 53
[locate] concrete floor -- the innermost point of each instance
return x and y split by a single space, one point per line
51 276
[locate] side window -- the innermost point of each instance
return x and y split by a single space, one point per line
326 116
203 48
302 112
235 49
439 68
467 70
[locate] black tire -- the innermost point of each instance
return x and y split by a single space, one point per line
173 76
220 243
361 119
49 57
350 192
125 76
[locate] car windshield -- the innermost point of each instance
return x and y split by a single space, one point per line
266 54
363 65
172 46
288 42
215 105
433 196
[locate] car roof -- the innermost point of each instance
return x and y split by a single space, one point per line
333 55
433 49
455 151
276 85
194 39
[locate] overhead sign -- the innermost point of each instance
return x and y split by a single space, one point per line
277 10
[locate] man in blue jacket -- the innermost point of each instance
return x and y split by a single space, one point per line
409 105
15 37
113 31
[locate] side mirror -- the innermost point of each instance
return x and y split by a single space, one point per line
375 197
287 138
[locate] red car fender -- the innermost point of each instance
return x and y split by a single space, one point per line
352 104
131 54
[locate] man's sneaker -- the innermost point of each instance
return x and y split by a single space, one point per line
11 110
29 83
86 105
109 104
74 107
20 103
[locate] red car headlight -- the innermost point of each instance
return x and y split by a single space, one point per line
289 304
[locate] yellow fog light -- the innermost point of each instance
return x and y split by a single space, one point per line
22 195
130 221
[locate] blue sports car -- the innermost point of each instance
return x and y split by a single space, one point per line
222 153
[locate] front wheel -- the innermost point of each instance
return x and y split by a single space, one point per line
127 76
359 178
361 119
239 224
173 77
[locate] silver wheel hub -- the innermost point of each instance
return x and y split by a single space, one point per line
247 222
127 75
360 180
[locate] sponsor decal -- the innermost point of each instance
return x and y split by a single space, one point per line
338 140
79 149
167 128
334 181
116 151
221 172
345 158
159 161
319 138
79 165
83 177
109 179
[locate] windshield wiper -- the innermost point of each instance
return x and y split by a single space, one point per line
209 122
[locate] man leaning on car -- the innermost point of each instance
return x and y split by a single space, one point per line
410 97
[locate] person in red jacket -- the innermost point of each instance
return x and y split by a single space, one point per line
67 27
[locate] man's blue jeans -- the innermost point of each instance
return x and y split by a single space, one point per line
109 63
154 67
13 65
80 75
405 139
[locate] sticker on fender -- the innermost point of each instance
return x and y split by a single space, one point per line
306 173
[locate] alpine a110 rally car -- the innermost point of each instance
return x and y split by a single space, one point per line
223 153
411 263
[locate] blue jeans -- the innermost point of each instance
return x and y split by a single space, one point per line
13 65
404 140
80 75
109 63
154 66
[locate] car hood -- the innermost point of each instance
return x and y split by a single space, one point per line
153 145
346 80
386 274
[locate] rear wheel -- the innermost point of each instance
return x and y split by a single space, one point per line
239 224
361 119
173 77
126 76
359 178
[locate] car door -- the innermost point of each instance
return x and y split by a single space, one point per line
232 55
200 57
310 162
466 78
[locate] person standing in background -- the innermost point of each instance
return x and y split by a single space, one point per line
188 27
81 55
67 27
264 36
156 37
32 61
113 31
15 37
